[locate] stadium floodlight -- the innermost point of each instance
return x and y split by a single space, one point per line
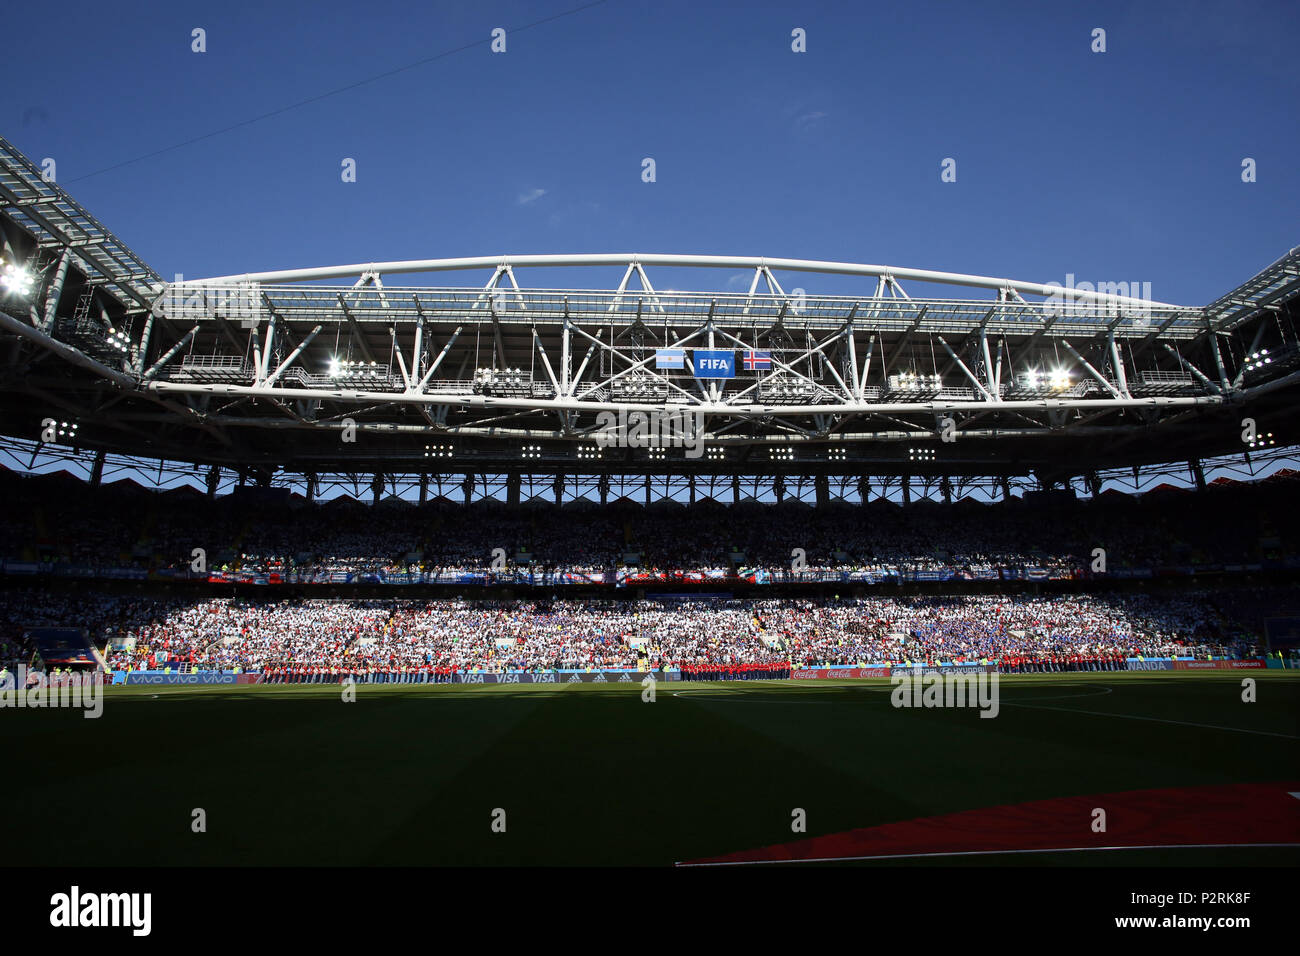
350 370
1059 379
911 385
1258 360
118 340
16 279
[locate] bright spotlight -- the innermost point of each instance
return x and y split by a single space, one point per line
1059 379
334 368
16 279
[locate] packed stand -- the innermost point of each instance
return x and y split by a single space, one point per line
429 638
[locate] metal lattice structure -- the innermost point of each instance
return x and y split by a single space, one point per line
340 370
36 458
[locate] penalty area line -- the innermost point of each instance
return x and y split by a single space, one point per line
1159 720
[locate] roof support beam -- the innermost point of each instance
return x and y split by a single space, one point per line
902 342
56 292
401 362
357 334
1259 337
1028 346
415 350
433 367
1196 372
546 363
564 351
866 368
969 374
1117 363
1218 356
582 367
167 357
142 351
854 381
224 325
265 363
280 370
1101 379
989 378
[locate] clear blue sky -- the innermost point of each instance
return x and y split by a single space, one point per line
1123 165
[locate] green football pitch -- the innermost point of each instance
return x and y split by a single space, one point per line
592 774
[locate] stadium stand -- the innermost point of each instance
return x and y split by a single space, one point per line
114 527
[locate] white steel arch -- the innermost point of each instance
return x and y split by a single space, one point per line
762 265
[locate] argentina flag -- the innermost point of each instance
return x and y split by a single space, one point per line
670 358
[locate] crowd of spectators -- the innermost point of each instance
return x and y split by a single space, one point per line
14 650
48 520
262 635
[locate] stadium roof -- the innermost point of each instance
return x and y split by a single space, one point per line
293 370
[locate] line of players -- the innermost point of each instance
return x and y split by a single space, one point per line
431 674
